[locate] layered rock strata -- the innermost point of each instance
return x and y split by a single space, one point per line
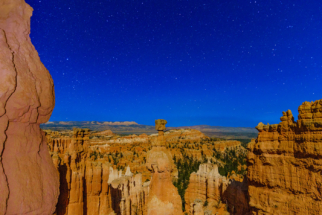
29 183
163 197
284 164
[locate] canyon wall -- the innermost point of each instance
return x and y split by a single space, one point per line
285 163
28 180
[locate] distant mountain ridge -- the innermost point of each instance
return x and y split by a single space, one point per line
76 123
130 127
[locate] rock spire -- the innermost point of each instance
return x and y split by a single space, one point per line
163 197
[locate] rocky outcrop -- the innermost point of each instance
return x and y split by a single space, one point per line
84 185
104 133
163 197
128 194
222 146
284 164
28 180
90 184
210 193
236 195
205 185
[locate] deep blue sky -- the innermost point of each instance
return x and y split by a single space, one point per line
223 62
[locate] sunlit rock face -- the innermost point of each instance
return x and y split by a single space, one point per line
128 194
205 185
284 164
210 193
163 195
92 185
28 180
84 187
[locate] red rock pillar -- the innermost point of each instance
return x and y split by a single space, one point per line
163 196
29 182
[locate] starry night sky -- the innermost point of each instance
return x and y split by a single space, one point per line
223 62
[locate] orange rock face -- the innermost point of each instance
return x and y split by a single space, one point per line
222 146
84 185
284 164
129 195
90 184
163 198
210 193
205 185
28 180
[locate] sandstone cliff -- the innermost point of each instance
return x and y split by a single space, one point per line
28 179
284 164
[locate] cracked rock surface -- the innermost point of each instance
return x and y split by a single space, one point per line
28 179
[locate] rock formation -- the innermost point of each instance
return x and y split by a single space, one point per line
128 194
84 185
210 193
111 174
284 164
28 180
90 184
222 146
163 197
205 185
132 149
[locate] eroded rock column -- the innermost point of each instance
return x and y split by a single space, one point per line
29 182
284 164
163 196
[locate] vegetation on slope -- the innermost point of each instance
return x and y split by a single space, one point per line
185 167
233 162
228 162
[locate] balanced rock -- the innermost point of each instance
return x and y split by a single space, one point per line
163 197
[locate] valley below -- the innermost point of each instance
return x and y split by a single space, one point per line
183 171
102 172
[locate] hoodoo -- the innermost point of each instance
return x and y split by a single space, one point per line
284 164
29 182
163 198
